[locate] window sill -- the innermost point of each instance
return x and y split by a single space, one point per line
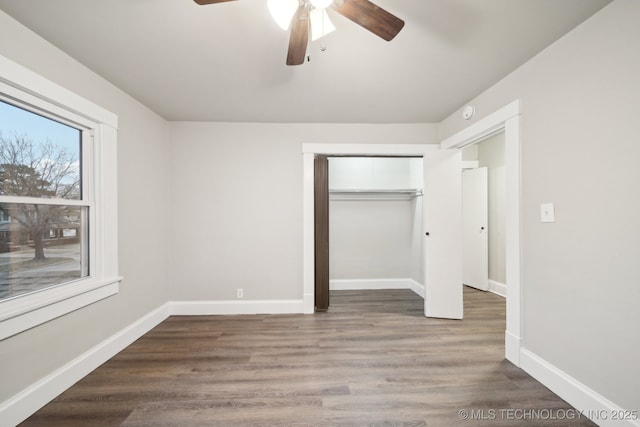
19 314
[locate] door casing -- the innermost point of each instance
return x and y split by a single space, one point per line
506 118
310 151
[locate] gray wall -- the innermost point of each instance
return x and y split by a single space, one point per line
143 217
242 184
580 127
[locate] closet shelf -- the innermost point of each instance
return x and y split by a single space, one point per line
374 194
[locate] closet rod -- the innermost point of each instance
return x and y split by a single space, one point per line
409 193
376 191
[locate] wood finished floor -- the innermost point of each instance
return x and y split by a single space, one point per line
372 360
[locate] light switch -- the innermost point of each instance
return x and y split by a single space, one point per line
547 213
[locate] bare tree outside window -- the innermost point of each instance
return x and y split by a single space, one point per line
41 244
37 170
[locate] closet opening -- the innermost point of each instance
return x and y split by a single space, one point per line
373 218
443 196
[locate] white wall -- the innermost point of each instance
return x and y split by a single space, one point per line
143 216
579 140
242 185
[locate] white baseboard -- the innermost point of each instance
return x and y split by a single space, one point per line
364 284
498 288
586 401
416 287
229 307
512 345
19 407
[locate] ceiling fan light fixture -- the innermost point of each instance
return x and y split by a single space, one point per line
321 4
297 15
282 11
321 25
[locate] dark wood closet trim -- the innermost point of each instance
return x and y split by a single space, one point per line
321 232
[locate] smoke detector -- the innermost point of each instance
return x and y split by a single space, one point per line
468 112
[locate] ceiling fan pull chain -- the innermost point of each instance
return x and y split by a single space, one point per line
323 47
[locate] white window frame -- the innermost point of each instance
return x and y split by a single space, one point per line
22 87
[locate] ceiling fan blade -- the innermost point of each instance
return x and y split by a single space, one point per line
203 2
299 38
371 17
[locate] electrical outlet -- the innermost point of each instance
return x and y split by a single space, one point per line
547 213
239 293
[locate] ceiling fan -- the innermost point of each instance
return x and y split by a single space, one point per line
299 19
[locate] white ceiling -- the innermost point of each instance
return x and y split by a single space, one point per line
226 62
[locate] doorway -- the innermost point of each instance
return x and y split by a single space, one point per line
442 219
375 224
506 118
483 205
310 152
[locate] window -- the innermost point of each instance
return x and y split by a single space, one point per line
58 201
42 245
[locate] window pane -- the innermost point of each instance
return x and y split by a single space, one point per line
39 157
41 246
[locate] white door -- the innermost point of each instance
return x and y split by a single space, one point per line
475 254
442 213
